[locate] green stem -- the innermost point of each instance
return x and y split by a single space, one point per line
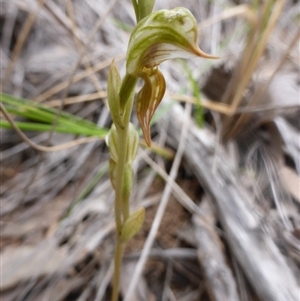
127 87
122 146
122 209
117 269
127 114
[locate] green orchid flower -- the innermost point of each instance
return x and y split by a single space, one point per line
159 36
162 35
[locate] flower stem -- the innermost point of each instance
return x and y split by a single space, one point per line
122 145
128 83
117 269
122 209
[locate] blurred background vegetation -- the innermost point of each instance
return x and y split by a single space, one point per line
57 226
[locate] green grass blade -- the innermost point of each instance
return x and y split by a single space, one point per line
66 123
40 127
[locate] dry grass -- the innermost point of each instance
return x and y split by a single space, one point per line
56 207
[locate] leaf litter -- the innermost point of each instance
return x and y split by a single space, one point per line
251 158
